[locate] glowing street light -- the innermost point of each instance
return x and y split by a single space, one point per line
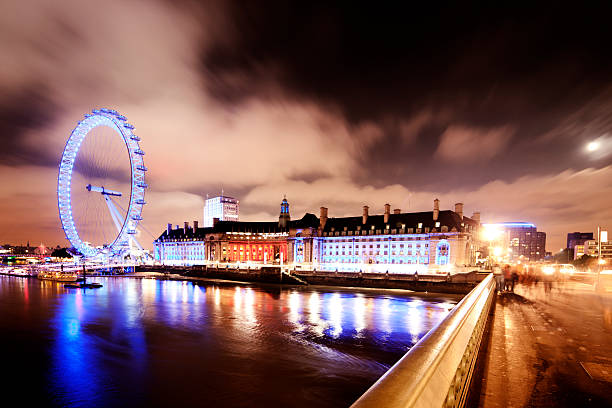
491 232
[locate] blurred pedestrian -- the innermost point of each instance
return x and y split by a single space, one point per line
513 279
507 275
499 278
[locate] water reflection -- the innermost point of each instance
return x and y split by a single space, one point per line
133 339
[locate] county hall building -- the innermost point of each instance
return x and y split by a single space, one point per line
392 242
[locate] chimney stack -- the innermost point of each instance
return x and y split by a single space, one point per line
186 227
459 209
364 217
195 226
387 212
169 229
436 210
323 217
397 211
476 216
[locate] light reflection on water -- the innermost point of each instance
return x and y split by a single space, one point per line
144 342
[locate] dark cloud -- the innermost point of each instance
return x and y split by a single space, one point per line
376 61
23 111
528 68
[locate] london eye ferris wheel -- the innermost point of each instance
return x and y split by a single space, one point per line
101 185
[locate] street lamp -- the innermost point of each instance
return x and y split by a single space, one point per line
491 233
600 261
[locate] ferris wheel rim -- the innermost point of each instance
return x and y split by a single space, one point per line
118 122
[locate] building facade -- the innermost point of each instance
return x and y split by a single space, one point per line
230 241
181 246
223 208
397 242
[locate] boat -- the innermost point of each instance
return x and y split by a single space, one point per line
58 276
83 285
18 272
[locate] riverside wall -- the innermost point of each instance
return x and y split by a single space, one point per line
456 284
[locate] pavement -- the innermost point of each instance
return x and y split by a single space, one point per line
548 347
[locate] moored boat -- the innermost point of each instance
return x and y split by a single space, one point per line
58 276
83 285
19 272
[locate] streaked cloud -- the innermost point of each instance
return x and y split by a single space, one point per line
469 144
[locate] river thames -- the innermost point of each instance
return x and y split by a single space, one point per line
146 342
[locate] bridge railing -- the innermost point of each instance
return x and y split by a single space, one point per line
437 371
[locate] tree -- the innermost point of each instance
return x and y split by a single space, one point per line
61 253
564 256
585 262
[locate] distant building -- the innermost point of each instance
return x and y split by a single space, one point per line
578 238
223 208
578 251
522 240
591 248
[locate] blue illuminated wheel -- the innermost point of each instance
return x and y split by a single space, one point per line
101 185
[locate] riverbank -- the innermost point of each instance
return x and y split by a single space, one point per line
459 284
455 284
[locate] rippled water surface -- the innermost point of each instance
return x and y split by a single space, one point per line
145 342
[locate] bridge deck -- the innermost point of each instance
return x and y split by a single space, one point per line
549 348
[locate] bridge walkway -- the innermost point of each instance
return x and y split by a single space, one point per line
549 348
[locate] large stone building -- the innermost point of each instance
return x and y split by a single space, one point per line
230 241
390 242
394 242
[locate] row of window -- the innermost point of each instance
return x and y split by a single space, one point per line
366 252
415 261
377 239
409 244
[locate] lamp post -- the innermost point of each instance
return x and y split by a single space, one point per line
599 260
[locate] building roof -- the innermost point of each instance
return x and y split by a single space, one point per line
410 220
446 218
262 227
513 224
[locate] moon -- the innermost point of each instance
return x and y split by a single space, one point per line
592 146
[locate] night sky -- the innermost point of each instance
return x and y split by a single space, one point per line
335 105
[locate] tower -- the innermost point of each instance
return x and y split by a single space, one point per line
284 217
222 207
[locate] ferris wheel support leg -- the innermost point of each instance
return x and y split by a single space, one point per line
113 212
135 242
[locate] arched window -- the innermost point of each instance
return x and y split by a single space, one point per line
442 252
